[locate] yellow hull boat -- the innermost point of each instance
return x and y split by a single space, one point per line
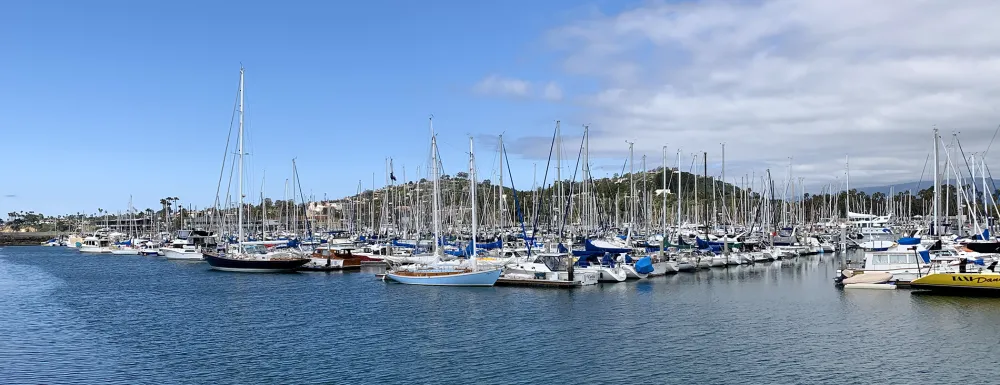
986 283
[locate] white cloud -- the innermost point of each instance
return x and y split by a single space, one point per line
497 85
503 86
812 80
552 92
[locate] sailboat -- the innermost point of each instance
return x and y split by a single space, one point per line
437 274
240 257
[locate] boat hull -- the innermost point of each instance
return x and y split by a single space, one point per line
181 255
94 250
474 278
960 283
630 273
984 247
254 266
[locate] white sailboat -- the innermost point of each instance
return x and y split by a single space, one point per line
437 274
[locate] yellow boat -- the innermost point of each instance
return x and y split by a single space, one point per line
985 283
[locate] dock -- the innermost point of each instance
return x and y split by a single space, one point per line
527 282
555 284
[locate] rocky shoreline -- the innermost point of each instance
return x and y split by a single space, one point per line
25 239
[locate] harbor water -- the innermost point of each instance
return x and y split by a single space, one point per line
72 318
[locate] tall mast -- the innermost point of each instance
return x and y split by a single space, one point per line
847 184
663 210
586 209
679 184
559 191
503 220
725 236
645 200
704 160
434 164
472 188
631 192
239 216
937 186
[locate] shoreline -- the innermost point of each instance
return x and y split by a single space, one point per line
26 239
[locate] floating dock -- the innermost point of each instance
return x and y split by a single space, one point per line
526 282
537 283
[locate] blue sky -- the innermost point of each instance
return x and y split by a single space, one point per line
100 100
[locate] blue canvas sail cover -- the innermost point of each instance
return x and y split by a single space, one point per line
490 246
444 242
586 260
644 265
483 246
985 236
126 243
704 245
397 243
608 260
562 248
908 241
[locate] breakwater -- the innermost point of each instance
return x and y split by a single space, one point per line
26 239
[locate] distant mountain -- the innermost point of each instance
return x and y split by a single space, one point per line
915 186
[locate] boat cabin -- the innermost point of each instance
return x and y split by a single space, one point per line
96 242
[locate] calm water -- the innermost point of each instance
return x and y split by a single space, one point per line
72 318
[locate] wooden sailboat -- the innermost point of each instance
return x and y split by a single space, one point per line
240 257
438 274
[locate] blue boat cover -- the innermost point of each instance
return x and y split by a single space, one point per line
644 265
908 241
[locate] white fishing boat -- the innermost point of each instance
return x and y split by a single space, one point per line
545 266
95 245
188 245
905 261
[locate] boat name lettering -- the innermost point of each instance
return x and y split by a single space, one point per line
976 279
